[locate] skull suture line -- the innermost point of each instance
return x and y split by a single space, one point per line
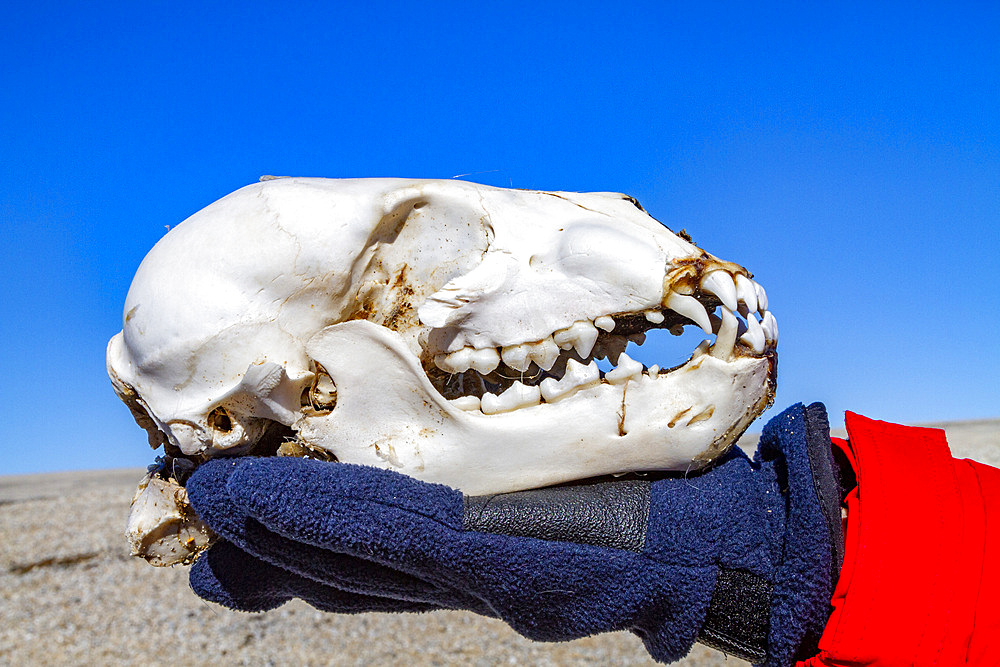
444 329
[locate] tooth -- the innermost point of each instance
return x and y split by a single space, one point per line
577 377
654 316
746 293
518 395
516 356
689 307
721 284
544 353
627 369
468 403
754 337
455 362
726 338
703 348
653 371
770 327
761 297
485 360
605 322
580 335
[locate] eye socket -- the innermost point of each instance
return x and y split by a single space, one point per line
218 420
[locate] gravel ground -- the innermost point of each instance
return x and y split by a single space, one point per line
71 595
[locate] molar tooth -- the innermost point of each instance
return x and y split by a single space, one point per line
746 293
761 297
726 338
627 369
468 403
544 353
689 307
580 336
654 316
577 377
518 395
455 362
485 360
720 283
605 322
770 327
754 337
516 356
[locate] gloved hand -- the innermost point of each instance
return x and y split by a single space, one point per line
742 557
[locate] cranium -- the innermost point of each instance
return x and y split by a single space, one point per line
443 329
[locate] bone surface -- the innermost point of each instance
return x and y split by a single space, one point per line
444 329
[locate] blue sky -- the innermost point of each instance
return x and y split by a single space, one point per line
849 157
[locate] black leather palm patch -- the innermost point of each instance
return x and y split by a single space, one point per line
604 514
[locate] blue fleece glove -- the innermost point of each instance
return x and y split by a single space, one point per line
743 556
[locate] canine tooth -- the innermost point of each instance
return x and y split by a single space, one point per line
770 327
544 353
516 356
518 395
455 362
689 307
468 403
726 338
580 336
654 316
761 297
746 293
721 284
627 369
754 337
605 322
485 360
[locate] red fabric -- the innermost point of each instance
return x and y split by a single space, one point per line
921 570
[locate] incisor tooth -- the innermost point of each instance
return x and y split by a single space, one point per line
580 336
627 369
689 307
761 297
485 360
726 338
770 327
746 293
721 284
605 322
754 337
518 395
516 356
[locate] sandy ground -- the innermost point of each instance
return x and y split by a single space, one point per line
71 595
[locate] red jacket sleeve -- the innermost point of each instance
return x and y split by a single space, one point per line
921 570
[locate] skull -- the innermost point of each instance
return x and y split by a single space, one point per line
444 329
